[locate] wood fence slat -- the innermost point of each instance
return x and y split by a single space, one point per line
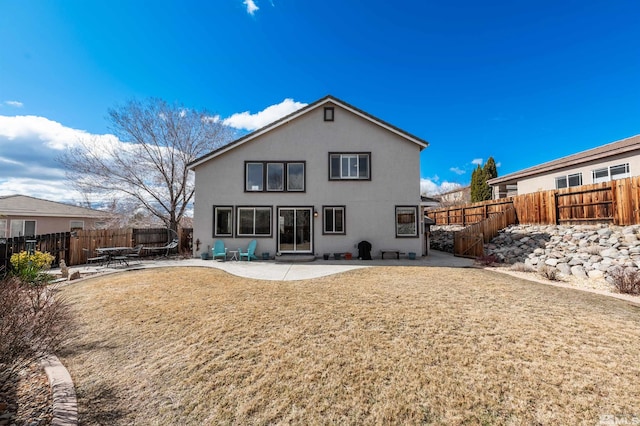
616 202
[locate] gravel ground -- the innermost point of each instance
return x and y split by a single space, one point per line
26 400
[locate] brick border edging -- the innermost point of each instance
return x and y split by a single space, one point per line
63 393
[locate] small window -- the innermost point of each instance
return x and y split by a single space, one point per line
349 166
3 228
254 221
569 181
406 221
561 182
620 171
222 221
254 177
601 175
328 113
575 179
333 220
275 177
76 225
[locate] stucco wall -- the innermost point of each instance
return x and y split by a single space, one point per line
49 225
548 181
370 205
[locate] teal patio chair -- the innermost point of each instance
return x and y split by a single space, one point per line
219 250
250 253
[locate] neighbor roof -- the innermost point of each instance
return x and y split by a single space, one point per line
614 148
284 120
22 205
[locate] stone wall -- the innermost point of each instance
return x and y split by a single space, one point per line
579 250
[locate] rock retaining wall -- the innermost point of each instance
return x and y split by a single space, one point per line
579 250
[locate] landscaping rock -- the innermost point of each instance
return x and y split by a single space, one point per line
579 250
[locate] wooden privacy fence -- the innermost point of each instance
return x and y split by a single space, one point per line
55 244
616 202
76 247
470 241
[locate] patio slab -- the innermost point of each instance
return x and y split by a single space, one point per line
284 271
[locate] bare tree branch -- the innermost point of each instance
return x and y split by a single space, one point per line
147 160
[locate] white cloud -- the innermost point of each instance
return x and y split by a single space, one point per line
251 6
247 121
457 170
54 190
53 134
430 186
477 161
16 104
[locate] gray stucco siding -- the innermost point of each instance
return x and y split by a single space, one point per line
370 205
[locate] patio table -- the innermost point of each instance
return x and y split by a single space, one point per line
115 254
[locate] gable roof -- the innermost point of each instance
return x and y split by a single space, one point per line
284 120
23 205
614 148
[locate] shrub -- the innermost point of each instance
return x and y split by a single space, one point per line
521 267
625 280
30 267
33 323
548 272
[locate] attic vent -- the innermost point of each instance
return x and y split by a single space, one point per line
328 113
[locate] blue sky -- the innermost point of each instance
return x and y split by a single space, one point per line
522 81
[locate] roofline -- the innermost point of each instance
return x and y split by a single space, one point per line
622 146
284 120
96 213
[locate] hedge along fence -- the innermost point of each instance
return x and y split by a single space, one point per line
616 202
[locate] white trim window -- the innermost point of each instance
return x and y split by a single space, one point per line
76 225
569 181
3 228
406 221
254 221
606 174
350 166
333 222
222 221
22 228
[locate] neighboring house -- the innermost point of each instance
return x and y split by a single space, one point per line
320 180
454 197
21 215
615 160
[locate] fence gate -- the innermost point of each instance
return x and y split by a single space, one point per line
468 244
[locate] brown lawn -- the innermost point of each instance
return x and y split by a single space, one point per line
385 345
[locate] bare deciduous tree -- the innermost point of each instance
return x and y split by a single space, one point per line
145 165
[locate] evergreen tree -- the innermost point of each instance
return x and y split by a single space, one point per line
477 179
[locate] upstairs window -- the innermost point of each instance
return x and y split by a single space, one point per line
254 180
275 176
350 166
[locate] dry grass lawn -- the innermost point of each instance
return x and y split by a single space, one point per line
386 345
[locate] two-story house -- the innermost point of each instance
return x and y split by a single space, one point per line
319 180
